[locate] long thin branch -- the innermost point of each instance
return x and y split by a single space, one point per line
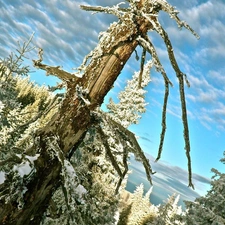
163 132
146 43
142 67
125 158
180 77
108 151
136 149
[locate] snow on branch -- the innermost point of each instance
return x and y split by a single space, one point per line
146 12
115 10
147 44
166 7
180 77
150 48
142 67
134 147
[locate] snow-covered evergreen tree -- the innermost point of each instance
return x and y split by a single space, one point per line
209 209
25 108
169 213
138 210
132 100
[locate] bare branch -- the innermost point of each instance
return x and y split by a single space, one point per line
53 70
146 43
180 77
142 67
162 135
135 147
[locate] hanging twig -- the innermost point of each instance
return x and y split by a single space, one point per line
134 148
146 43
180 77
108 151
142 67
163 132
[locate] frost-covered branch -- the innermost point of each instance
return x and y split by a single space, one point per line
115 10
142 67
163 132
180 77
146 44
134 146
173 14
112 159
166 7
125 164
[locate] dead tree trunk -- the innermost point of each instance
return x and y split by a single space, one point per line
60 137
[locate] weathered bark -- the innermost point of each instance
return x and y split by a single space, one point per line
68 126
39 191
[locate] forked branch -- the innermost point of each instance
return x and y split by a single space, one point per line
53 70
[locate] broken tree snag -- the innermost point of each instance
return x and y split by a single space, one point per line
107 61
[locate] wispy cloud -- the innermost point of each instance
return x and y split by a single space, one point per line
145 138
168 180
62 29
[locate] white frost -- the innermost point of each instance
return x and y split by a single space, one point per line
23 169
69 169
32 158
1 106
80 190
2 177
78 74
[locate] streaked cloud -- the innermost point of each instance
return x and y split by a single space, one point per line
168 180
62 29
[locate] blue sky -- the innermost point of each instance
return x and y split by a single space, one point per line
67 34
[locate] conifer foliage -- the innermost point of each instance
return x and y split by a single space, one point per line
64 160
209 209
132 100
